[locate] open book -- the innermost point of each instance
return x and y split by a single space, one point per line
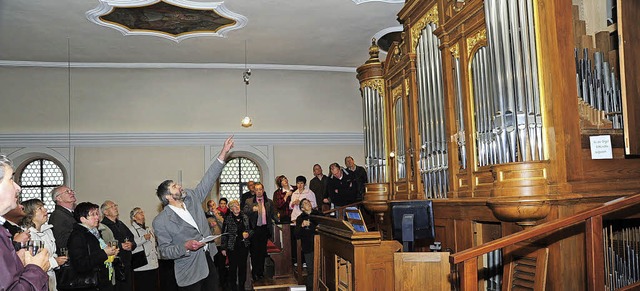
211 238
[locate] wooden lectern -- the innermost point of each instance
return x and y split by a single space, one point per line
348 259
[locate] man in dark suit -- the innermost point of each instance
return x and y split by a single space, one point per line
318 186
249 194
62 216
182 225
125 241
12 223
342 188
262 213
359 173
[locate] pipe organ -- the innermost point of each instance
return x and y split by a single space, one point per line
480 108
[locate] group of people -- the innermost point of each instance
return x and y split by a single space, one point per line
89 237
95 242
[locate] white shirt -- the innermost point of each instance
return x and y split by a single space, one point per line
299 195
185 215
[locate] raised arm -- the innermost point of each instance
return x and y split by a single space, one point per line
211 176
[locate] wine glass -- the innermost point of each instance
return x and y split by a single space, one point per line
36 246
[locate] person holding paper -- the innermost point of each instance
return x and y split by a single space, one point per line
182 224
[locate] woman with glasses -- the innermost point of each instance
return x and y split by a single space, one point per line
88 252
35 220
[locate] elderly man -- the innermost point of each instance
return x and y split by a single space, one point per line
18 270
126 243
318 185
181 228
249 194
62 216
359 173
342 188
261 212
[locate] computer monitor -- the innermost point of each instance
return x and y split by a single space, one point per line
354 216
412 220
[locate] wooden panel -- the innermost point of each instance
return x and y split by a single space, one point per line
629 33
422 271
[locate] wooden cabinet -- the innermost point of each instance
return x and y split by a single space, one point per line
350 260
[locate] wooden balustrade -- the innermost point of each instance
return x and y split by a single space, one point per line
592 219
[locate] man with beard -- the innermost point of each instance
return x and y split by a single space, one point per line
182 225
125 241
21 270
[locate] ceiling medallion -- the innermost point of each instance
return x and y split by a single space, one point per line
171 19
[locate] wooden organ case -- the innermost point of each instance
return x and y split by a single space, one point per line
476 108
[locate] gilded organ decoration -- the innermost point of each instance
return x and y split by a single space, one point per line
430 17
479 37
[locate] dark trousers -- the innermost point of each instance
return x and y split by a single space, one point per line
259 250
221 266
167 275
308 257
237 266
146 280
126 285
210 283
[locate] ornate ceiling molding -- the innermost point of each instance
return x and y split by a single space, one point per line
105 7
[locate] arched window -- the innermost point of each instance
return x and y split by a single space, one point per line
235 175
37 178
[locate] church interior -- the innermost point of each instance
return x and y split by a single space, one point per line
499 137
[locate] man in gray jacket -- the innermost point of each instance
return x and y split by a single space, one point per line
182 225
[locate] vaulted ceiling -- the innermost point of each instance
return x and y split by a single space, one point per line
297 34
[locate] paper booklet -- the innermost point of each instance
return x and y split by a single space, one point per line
211 238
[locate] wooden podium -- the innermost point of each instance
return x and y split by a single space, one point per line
346 259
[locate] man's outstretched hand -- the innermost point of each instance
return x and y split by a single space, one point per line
228 145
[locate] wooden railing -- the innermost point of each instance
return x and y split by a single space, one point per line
592 219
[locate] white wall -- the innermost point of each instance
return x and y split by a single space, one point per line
288 108
35 100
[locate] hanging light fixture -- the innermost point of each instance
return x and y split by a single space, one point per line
246 121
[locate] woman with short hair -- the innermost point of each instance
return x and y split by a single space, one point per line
88 252
235 245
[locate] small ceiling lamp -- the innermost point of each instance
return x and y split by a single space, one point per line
246 121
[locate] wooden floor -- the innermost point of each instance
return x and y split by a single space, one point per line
275 284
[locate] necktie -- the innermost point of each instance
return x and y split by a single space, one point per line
262 216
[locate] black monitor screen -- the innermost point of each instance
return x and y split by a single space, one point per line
422 218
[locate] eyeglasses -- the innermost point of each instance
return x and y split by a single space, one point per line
68 191
111 206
